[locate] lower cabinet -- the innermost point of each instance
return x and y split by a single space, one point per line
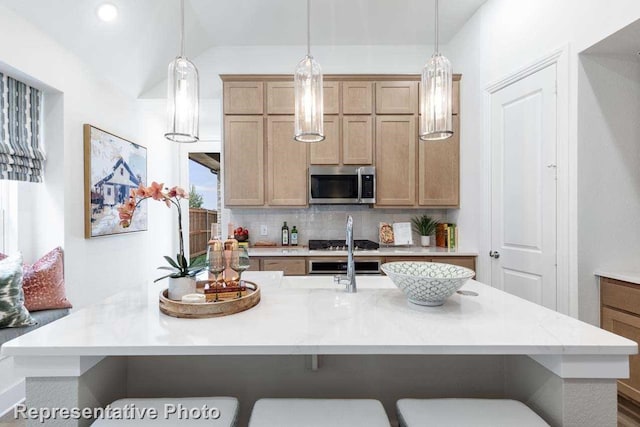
289 265
620 314
297 266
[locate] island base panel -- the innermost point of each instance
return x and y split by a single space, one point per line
561 402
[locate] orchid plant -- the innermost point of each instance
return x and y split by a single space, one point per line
179 267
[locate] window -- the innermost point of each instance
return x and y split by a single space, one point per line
8 216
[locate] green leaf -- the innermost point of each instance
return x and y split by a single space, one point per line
163 277
171 262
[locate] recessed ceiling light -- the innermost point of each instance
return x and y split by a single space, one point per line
107 12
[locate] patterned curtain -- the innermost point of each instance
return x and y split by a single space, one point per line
21 157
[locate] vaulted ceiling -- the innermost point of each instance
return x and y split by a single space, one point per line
134 51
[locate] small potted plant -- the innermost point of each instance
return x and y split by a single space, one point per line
182 274
425 226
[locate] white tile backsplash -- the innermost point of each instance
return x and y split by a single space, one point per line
324 221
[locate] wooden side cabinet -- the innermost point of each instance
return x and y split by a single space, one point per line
243 97
327 152
620 314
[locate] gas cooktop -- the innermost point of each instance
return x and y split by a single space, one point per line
341 245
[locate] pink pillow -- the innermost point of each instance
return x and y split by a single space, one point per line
43 283
2 256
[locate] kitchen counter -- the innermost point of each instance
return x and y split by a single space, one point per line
623 276
382 252
490 345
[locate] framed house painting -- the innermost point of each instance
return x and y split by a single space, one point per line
112 167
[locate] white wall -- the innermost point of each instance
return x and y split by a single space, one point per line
98 267
609 169
501 38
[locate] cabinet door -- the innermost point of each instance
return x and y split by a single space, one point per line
290 266
396 97
456 97
439 170
467 262
395 160
280 98
628 326
331 97
243 98
243 160
357 140
327 152
286 164
357 97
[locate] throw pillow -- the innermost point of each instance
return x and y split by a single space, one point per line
43 283
12 310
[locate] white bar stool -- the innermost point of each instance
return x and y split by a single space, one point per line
466 413
180 411
318 413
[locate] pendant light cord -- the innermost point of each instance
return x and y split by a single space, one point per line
437 32
182 28
308 27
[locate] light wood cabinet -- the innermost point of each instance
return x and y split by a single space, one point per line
290 266
331 97
243 97
455 107
399 97
244 160
327 152
280 98
620 314
460 261
357 140
357 97
286 164
395 160
439 170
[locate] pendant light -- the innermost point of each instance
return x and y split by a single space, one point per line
436 121
183 95
309 109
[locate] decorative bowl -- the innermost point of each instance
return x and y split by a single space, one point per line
427 283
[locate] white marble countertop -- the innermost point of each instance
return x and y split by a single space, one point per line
310 315
382 252
624 276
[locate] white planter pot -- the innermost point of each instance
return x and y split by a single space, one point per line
425 240
180 287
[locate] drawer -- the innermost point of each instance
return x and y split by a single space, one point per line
290 266
620 295
467 262
628 326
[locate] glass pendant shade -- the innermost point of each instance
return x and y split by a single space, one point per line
436 120
309 108
183 101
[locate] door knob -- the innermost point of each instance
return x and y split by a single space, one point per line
494 254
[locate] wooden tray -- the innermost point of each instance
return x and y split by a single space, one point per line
210 309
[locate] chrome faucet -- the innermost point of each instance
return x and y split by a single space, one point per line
350 279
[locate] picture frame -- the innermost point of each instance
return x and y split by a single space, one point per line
112 167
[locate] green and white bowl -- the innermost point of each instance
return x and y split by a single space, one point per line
427 283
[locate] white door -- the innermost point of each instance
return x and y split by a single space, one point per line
523 188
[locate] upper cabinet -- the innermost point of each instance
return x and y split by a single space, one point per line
280 98
439 170
286 164
357 140
244 160
396 160
397 97
331 97
243 97
369 120
327 152
357 97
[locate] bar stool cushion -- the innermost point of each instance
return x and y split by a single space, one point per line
228 407
318 413
466 412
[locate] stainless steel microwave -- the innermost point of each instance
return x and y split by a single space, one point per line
342 185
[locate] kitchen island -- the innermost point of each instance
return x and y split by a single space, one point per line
308 338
